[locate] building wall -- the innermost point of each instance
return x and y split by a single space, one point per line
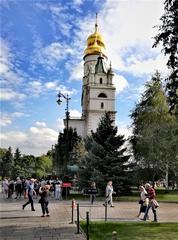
79 124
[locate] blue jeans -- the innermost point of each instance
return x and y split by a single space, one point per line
30 201
150 205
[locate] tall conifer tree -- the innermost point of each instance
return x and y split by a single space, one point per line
106 158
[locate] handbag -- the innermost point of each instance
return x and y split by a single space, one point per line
155 203
140 201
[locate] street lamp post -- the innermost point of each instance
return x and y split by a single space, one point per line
59 101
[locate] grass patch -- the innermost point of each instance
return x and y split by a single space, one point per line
132 231
167 197
163 196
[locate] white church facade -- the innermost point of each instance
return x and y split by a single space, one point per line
98 91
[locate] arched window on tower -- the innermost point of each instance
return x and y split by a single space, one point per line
101 80
102 95
102 105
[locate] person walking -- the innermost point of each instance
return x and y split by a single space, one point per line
143 200
152 202
5 186
18 188
93 195
109 193
29 193
44 200
58 190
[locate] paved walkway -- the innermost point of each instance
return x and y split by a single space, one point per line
127 211
18 224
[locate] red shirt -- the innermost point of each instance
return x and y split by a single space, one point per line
151 193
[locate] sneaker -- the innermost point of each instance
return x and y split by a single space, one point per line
111 206
33 209
42 215
47 215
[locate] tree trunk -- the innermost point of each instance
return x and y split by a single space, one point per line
167 177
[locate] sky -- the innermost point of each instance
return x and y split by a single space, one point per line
41 53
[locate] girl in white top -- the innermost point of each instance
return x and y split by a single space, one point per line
58 190
143 200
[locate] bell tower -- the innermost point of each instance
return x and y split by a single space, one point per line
98 93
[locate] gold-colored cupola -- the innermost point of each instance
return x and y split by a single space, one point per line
95 43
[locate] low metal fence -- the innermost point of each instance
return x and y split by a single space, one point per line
76 216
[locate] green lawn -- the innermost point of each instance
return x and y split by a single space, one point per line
162 195
132 231
168 197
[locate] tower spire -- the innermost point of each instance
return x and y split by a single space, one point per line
96 23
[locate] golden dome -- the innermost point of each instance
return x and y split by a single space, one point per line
95 44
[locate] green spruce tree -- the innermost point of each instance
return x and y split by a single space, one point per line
18 168
106 157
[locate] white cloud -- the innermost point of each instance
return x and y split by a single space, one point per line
147 66
19 114
5 120
124 130
120 83
60 124
40 124
9 95
13 138
51 85
64 90
75 113
9 73
35 88
3 68
50 55
76 72
77 2
37 140
133 33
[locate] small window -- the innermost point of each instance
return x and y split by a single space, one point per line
102 105
102 95
101 80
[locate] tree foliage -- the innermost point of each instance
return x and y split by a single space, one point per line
7 163
18 165
67 141
106 157
154 132
168 36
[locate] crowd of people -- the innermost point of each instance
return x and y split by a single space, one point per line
18 187
30 188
